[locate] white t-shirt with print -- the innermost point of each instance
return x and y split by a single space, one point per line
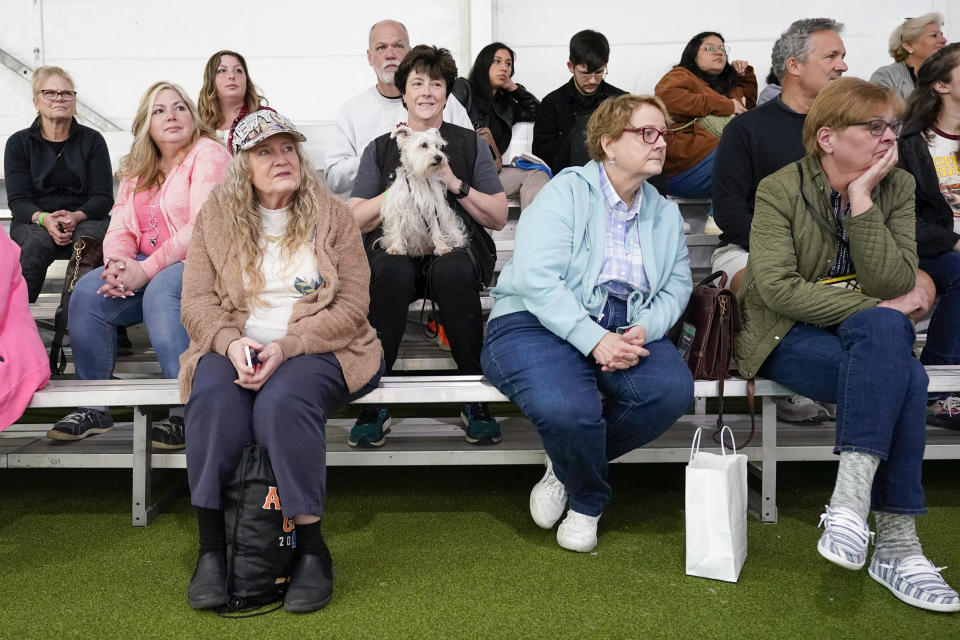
943 150
285 282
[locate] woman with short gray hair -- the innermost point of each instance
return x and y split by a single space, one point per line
910 44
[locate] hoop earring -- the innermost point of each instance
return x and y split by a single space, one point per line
611 161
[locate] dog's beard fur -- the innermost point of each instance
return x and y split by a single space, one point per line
416 218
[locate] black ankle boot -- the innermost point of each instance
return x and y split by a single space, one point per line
208 586
311 583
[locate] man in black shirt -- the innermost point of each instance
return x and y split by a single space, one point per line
559 134
807 56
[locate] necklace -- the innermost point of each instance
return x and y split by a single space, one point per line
152 221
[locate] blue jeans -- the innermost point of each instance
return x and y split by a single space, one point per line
695 182
866 366
558 389
94 321
943 334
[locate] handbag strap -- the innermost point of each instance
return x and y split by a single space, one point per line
58 358
751 397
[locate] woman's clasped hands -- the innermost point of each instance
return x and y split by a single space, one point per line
122 277
617 351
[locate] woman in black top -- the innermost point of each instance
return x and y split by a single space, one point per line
930 150
495 102
58 179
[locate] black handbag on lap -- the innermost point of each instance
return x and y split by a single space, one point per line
260 541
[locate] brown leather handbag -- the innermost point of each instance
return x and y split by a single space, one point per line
714 314
709 327
487 135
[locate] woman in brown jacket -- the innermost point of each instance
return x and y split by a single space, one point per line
702 92
275 297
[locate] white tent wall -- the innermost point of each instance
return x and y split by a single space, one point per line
308 57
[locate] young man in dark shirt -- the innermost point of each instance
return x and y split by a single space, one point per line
559 134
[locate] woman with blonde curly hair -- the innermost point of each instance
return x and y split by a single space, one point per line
173 164
910 44
276 292
228 94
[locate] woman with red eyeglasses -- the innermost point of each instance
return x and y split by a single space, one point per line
599 274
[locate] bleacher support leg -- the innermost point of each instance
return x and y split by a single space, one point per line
768 490
142 481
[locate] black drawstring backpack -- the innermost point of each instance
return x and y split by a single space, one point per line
260 541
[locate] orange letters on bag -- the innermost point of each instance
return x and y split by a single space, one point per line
288 525
273 500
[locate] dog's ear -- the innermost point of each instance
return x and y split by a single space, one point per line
401 131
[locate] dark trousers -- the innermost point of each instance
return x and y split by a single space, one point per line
38 250
287 417
450 280
943 335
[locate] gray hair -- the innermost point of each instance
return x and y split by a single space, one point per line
909 32
795 42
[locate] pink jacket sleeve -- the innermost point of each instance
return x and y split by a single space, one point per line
121 238
203 174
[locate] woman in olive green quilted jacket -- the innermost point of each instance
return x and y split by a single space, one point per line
826 300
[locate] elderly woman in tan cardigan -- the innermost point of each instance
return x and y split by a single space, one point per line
275 297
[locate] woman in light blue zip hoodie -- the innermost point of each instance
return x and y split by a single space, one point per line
599 274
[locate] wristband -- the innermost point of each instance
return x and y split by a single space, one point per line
42 216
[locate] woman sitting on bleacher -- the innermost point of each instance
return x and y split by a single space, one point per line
599 274
495 102
929 149
58 180
702 92
227 95
276 270
173 164
826 299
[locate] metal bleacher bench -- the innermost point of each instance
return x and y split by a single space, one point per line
426 442
414 441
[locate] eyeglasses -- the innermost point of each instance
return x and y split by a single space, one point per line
596 75
877 127
650 135
724 49
51 95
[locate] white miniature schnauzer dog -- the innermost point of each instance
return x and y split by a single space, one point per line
417 220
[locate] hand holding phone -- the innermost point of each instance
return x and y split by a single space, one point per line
252 360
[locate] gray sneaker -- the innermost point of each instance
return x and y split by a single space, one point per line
800 409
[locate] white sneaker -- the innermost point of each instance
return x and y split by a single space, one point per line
915 580
548 499
845 538
578 532
710 227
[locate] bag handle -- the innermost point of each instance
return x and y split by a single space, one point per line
695 445
713 276
733 443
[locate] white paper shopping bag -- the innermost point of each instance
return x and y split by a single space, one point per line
716 511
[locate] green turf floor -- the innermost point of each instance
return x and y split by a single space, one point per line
452 553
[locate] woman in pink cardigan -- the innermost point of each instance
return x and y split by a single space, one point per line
174 163
23 362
